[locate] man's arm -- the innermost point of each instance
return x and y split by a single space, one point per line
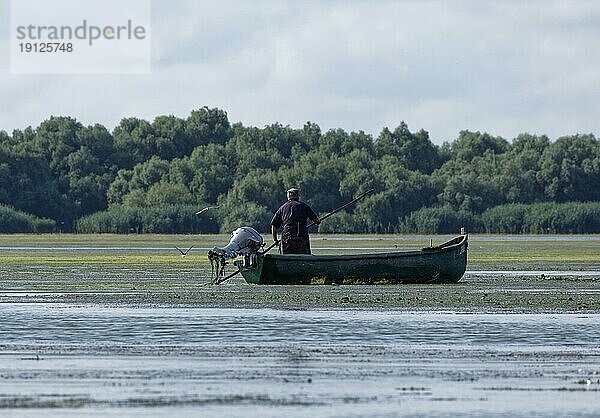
275 223
313 216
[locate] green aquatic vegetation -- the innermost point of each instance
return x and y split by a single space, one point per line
148 269
536 254
97 258
156 250
107 240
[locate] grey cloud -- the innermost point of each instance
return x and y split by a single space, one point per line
501 67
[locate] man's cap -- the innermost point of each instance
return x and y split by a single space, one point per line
293 191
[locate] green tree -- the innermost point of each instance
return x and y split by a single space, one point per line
359 173
318 177
470 187
518 176
205 126
170 138
337 142
134 141
81 161
27 184
12 221
399 192
440 220
234 215
570 169
55 139
165 193
208 172
475 144
5 140
414 151
263 187
130 186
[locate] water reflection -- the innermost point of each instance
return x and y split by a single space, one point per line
124 360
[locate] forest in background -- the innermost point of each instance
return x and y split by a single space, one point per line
153 176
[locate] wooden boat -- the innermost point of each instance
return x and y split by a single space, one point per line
445 263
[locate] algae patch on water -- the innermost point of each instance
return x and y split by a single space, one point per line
151 270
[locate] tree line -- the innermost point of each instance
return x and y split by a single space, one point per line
152 177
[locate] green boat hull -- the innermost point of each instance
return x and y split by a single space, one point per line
442 264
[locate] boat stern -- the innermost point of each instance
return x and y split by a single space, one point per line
250 267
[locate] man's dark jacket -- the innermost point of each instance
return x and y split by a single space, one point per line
292 215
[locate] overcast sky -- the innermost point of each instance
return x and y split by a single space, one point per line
503 67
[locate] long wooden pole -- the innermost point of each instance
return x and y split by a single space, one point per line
356 199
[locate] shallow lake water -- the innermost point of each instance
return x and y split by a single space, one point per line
113 360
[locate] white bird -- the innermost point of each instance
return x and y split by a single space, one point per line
184 253
205 209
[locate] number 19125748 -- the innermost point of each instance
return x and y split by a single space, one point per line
44 47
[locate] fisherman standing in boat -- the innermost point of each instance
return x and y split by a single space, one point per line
292 216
